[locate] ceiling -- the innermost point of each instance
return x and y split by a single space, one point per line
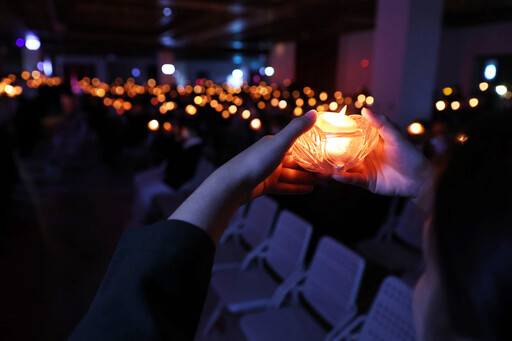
204 27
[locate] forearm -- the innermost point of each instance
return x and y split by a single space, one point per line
212 205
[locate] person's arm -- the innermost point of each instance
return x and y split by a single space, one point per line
157 281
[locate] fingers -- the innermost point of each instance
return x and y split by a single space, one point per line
289 162
386 129
356 179
286 137
294 176
286 188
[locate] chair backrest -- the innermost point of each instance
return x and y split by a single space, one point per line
390 317
333 280
288 244
258 221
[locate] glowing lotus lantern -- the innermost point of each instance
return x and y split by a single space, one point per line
336 142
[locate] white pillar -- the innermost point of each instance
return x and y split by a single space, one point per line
405 56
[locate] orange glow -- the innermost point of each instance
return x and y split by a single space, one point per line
198 100
162 109
306 90
358 104
333 106
214 103
9 89
261 105
18 90
100 92
25 75
95 81
483 86
361 98
167 126
36 74
297 111
447 91
323 96
153 125
348 100
282 104
154 100
440 105
274 102
191 110
473 102
320 108
455 105
151 82
299 102
107 102
296 94
462 138
225 114
246 114
311 102
232 109
255 123
119 90
161 98
369 101
415 128
338 95
127 106
287 82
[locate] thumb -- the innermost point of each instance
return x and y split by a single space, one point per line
286 137
387 130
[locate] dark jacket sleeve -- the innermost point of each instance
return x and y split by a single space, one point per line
155 286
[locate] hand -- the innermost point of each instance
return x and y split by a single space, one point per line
394 167
265 167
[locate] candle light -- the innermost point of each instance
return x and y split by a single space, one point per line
336 142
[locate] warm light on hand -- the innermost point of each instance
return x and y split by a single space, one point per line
337 142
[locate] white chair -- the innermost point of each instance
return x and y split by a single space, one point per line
278 257
329 287
397 246
243 236
390 316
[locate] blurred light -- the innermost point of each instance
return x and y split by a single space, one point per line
299 102
167 126
338 95
269 71
167 11
255 123
455 105
237 73
20 42
282 104
232 109
501 90
151 82
36 74
237 45
297 111
274 102
246 114
191 110
369 100
447 91
168 69
311 102
473 102
365 63
262 70
32 42
322 96
333 106
40 66
135 72
462 138
25 75
9 89
153 125
287 82
261 105
483 86
167 41
440 105
361 98
225 114
48 67
415 128
358 104
490 71
237 59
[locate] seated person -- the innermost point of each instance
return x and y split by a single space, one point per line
157 281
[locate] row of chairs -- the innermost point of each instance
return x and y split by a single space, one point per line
259 274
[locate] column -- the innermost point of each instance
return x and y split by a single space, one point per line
405 54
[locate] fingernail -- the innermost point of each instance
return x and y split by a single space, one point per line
310 115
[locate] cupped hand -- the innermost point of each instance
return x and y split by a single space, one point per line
394 167
268 167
